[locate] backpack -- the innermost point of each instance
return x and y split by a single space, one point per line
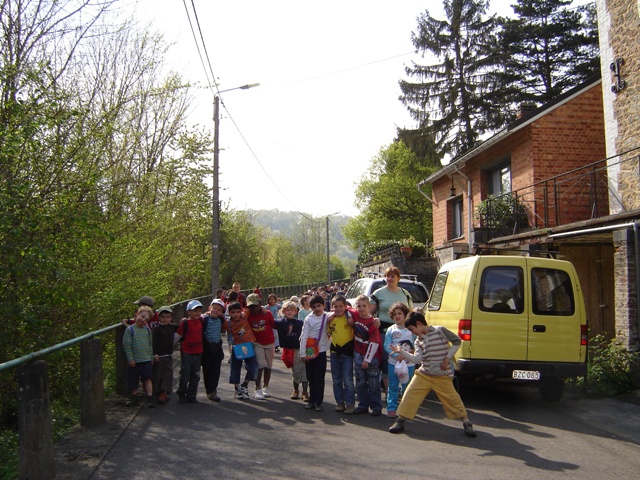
131 329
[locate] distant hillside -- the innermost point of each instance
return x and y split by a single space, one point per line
286 223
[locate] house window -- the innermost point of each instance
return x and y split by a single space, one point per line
500 180
456 218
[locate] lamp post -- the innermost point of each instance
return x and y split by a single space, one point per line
328 258
215 227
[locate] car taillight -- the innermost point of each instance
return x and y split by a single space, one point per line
584 336
464 330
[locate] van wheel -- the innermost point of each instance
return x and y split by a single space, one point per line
551 390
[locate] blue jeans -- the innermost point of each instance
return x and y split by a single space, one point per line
394 386
251 364
367 383
342 374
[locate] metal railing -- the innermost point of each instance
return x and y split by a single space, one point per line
577 195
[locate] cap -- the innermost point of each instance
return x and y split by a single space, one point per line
217 301
253 299
144 301
193 304
165 309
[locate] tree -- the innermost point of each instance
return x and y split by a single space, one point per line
391 206
458 99
548 48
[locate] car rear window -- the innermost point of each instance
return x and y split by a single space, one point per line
551 292
417 292
502 290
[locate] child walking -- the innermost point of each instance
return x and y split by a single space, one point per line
138 347
366 359
315 359
341 356
289 330
397 334
263 325
434 354
163 354
213 325
190 331
241 332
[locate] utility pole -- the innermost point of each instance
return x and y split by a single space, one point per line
215 224
328 261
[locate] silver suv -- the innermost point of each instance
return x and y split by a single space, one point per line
368 285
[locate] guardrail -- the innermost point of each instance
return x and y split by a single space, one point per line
35 431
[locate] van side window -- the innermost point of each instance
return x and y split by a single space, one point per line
437 291
551 292
502 290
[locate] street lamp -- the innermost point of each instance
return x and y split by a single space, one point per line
215 228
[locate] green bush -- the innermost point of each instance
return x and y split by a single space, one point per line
610 368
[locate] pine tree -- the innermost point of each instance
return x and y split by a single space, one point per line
550 48
456 100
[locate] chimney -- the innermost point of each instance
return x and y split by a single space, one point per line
525 109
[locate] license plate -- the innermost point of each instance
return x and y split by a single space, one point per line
526 375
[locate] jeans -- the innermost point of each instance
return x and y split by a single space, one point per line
212 357
251 365
394 387
189 375
367 383
316 370
342 374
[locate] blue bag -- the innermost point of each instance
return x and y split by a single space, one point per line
243 351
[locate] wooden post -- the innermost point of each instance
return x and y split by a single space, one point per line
92 412
121 363
35 431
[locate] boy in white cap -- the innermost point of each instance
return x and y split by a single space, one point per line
190 330
212 352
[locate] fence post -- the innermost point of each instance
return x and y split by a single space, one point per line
121 363
35 430
92 412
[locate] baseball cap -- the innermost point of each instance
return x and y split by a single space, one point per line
217 301
165 309
253 299
193 304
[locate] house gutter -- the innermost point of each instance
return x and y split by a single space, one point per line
636 245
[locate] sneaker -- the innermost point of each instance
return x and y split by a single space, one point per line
183 399
258 395
309 406
360 410
305 397
376 413
319 408
150 403
350 410
245 393
266 392
162 398
133 402
391 413
238 394
397 427
468 429
295 395
213 396
340 407
193 400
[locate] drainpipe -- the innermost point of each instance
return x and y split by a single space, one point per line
469 206
636 254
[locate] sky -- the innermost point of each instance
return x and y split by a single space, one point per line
328 96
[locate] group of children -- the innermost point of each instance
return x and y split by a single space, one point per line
350 336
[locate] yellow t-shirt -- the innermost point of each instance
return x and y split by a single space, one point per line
340 330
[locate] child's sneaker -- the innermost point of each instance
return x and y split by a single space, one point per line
340 407
245 393
258 395
150 403
398 426
238 394
468 429
133 401
305 397
295 395
213 396
350 409
265 392
391 413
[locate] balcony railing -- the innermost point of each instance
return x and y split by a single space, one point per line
578 195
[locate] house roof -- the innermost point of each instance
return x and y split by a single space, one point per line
512 128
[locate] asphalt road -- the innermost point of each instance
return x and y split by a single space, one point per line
519 436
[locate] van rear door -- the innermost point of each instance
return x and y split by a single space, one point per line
554 322
499 329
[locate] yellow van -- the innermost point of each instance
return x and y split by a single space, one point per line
521 319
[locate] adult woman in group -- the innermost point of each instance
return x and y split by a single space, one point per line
381 301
